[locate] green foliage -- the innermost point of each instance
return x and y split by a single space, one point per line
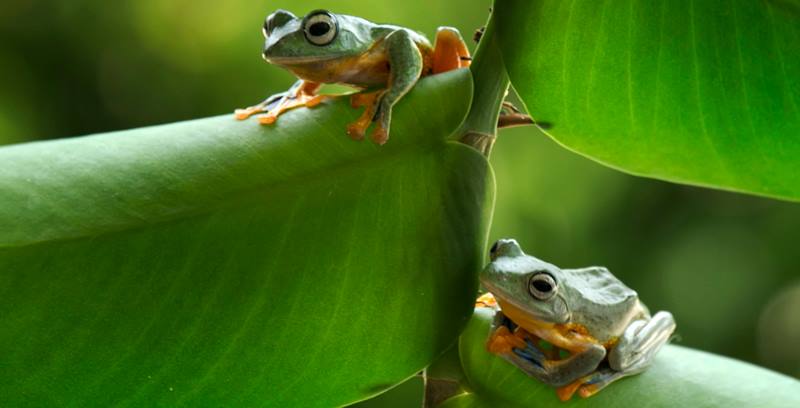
688 91
678 377
214 263
218 262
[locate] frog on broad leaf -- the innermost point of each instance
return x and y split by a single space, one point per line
323 47
588 313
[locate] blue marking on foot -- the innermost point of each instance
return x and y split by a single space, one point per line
527 357
533 350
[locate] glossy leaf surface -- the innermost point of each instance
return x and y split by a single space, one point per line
221 263
696 92
679 377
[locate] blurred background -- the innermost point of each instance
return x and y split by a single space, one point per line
725 264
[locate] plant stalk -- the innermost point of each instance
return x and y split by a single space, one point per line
491 83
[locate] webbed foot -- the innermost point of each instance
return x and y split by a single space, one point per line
265 106
286 104
371 101
302 93
589 385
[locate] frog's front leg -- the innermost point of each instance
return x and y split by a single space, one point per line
584 358
558 373
405 68
302 93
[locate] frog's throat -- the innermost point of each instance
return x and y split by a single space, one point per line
561 335
526 320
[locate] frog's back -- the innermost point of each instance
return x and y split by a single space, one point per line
420 40
367 61
379 30
601 302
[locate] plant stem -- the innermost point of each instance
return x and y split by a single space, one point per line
479 129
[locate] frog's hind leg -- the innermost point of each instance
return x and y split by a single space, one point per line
632 354
589 385
449 51
640 342
302 93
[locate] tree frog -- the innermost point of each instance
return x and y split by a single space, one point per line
323 47
597 328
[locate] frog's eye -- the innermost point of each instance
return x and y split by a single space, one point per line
542 286
320 27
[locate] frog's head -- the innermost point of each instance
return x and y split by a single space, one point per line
526 288
319 36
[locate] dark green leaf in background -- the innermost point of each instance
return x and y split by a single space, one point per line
221 263
679 377
698 92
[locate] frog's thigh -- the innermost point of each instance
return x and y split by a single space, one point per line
637 347
449 52
558 373
405 61
562 372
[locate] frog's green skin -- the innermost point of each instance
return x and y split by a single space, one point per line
590 297
323 47
343 60
588 312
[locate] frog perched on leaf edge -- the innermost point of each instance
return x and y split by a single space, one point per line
595 328
325 48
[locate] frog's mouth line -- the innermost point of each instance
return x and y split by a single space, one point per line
296 60
517 310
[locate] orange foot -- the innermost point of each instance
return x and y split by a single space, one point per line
370 100
308 101
242 114
502 341
302 93
380 135
565 393
588 385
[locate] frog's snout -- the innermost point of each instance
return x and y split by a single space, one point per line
505 247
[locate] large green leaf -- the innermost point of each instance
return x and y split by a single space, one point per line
699 92
679 377
221 263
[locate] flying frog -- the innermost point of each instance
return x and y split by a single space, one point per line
323 48
585 313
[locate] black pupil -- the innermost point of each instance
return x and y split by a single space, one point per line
494 248
542 285
319 29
